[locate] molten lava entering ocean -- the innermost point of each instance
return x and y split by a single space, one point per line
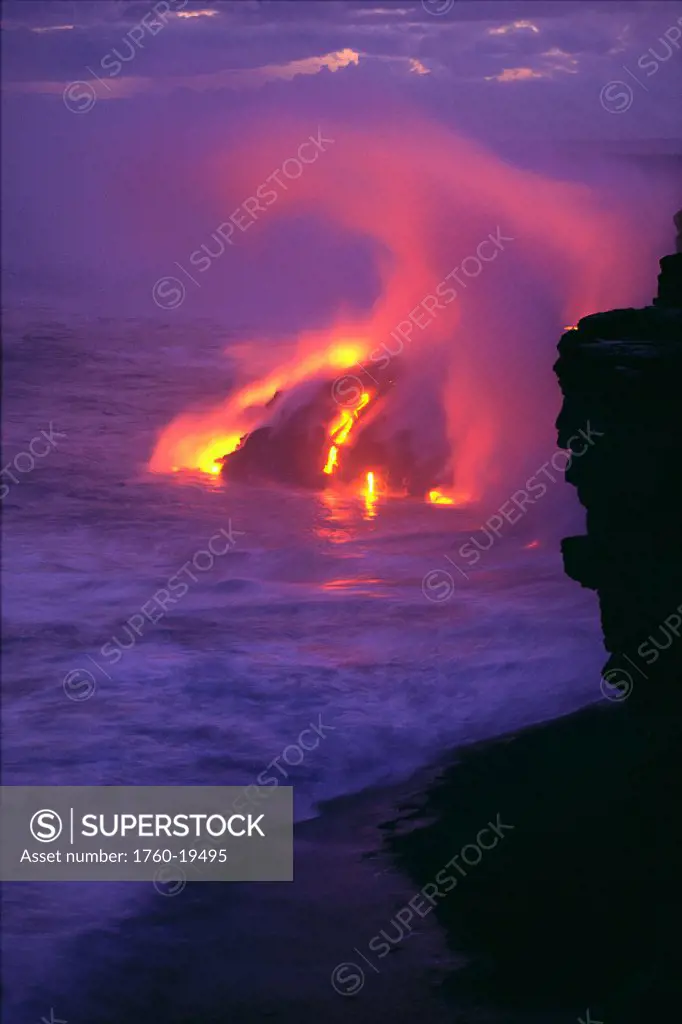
314 443
435 390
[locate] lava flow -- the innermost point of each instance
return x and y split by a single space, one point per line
438 498
457 402
370 495
340 429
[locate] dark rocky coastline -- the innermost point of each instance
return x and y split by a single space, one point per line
622 372
576 915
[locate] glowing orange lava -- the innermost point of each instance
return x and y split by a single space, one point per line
203 454
370 495
331 459
341 428
438 498
195 440
457 497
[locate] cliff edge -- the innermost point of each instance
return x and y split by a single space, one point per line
621 371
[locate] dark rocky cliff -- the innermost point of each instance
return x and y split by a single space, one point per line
622 372
575 916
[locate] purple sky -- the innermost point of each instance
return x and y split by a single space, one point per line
530 66
104 175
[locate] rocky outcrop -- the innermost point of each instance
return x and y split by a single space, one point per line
621 373
293 448
575 914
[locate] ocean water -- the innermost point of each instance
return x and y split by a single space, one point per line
317 615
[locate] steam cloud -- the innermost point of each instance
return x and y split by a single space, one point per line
480 263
